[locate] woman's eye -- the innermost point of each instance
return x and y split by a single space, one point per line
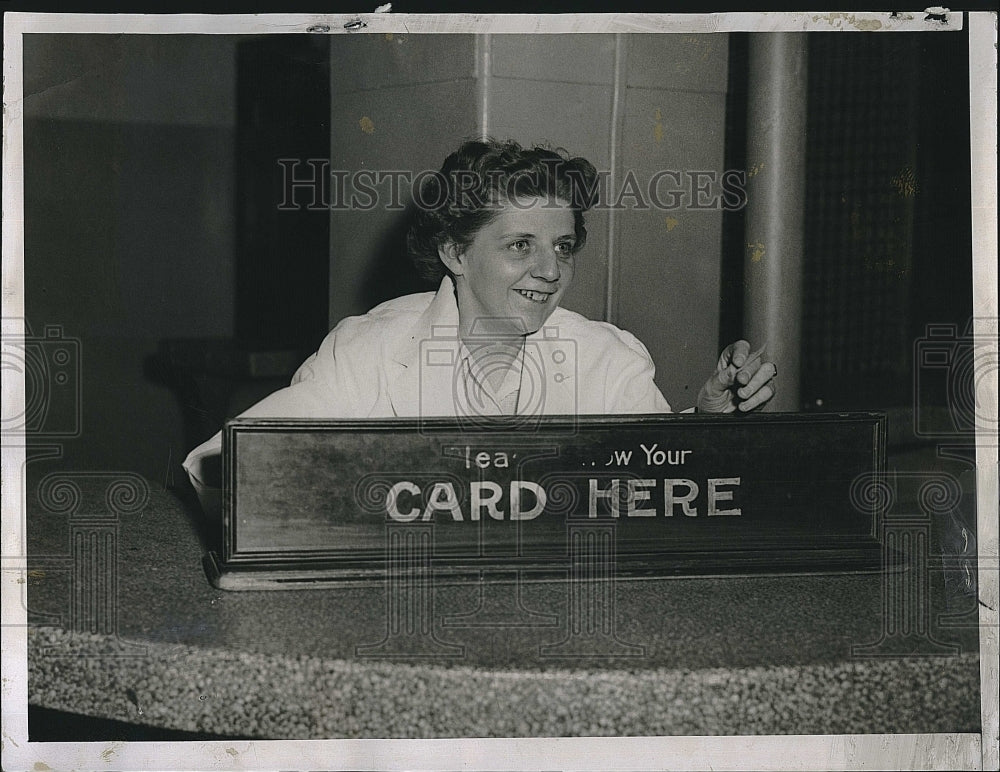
564 248
520 245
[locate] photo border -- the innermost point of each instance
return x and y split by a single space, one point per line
959 751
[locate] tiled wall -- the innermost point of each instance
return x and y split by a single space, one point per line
668 262
399 102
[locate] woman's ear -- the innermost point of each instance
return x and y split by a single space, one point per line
451 256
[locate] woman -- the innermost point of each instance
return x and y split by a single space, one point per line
499 227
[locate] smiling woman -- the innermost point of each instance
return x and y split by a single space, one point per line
499 227
505 225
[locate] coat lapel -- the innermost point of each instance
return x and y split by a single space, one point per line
421 366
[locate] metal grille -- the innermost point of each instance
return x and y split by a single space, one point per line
861 167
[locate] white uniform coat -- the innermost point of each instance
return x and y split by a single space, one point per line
399 360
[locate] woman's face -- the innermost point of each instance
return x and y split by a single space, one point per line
514 273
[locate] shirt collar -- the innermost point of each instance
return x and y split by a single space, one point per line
479 367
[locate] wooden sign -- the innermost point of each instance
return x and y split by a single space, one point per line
313 501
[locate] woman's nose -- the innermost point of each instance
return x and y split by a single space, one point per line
546 266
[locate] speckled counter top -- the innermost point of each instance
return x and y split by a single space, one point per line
723 655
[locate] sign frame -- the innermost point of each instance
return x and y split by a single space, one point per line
237 568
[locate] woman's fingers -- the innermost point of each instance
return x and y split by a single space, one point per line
741 382
734 354
759 389
762 374
757 400
745 374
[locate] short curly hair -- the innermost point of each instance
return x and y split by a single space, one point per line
454 204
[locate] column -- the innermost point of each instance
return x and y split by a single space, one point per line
776 164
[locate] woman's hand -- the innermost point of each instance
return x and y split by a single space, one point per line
741 381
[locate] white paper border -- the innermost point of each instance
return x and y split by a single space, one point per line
471 23
983 131
931 751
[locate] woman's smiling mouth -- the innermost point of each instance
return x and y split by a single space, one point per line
535 297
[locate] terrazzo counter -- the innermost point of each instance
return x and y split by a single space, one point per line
706 655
